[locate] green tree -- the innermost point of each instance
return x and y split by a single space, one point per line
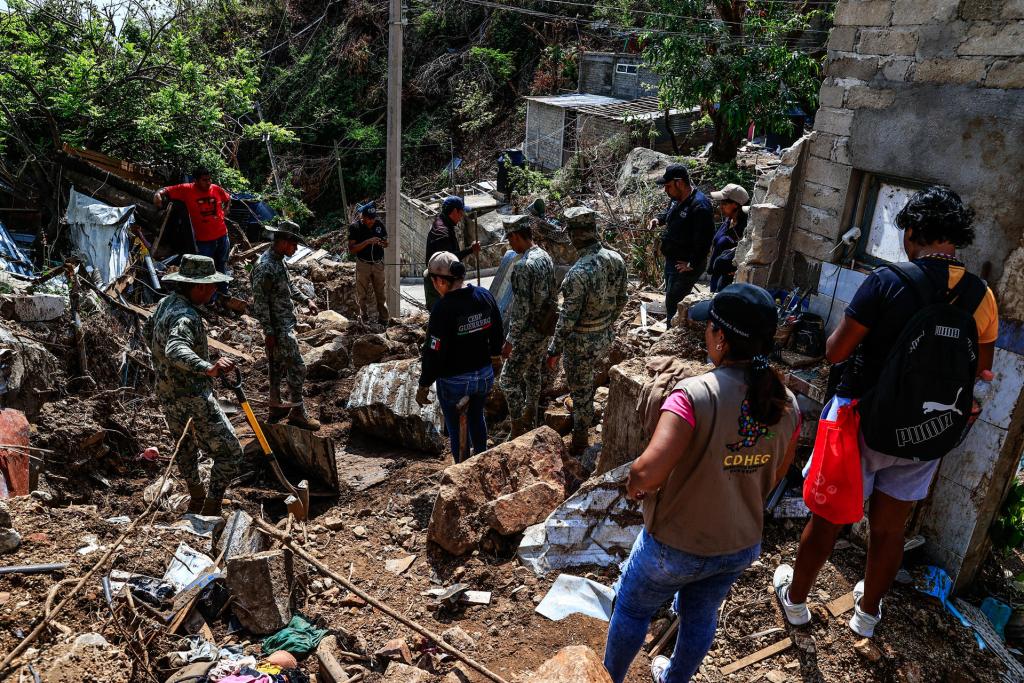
741 61
155 84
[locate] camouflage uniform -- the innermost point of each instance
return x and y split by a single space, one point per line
593 294
177 339
533 293
272 296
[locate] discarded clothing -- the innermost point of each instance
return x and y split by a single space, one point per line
299 637
668 372
230 667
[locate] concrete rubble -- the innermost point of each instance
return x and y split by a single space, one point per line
383 403
261 586
595 526
504 489
327 360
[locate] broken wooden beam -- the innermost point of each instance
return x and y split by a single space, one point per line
841 605
214 344
763 653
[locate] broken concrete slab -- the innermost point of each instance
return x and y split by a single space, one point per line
383 403
622 432
576 663
506 488
595 526
358 473
33 308
261 585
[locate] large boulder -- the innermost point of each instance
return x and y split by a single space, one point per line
505 489
576 663
641 166
261 585
383 403
327 360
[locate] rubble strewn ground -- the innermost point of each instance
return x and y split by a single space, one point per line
375 531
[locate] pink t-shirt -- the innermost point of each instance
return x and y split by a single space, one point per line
679 404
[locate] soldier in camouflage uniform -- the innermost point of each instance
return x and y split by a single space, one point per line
530 316
593 295
184 381
272 296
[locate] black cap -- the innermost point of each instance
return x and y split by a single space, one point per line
746 310
674 172
368 210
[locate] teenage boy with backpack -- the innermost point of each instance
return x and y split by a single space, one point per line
915 337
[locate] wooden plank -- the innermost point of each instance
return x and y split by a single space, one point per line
763 653
220 346
840 605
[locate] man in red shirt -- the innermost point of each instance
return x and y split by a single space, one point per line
206 203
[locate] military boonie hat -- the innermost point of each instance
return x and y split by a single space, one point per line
580 218
197 270
515 223
286 229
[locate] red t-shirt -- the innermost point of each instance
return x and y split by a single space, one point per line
204 208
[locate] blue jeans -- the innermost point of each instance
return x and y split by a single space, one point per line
653 573
450 390
218 250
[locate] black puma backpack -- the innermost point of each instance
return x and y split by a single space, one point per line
919 408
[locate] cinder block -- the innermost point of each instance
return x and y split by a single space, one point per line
827 173
811 245
980 10
950 71
1013 10
824 222
754 275
780 183
985 39
841 152
906 12
1006 75
863 97
835 121
863 13
852 66
763 250
897 69
765 221
887 41
823 197
831 96
842 38
261 585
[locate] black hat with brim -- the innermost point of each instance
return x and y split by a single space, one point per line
674 172
743 309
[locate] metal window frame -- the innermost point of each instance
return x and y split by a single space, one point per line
874 182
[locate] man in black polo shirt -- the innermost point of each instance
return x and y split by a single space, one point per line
367 238
686 240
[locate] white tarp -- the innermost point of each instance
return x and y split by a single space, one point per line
100 234
596 525
576 595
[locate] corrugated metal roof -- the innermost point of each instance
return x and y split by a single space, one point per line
643 108
574 100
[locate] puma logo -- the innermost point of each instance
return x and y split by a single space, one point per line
933 407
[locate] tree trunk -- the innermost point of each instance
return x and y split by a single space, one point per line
726 143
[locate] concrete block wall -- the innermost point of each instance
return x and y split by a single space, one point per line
923 90
545 129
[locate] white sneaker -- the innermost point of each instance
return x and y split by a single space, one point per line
797 615
658 667
862 623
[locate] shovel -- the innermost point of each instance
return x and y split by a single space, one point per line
298 501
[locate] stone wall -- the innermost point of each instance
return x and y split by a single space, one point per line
921 90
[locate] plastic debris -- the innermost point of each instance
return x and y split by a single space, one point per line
576 595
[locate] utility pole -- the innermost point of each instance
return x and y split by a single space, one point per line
393 252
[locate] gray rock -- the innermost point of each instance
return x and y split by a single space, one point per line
642 165
5 516
326 361
9 540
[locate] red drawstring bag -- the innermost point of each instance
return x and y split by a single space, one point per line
834 485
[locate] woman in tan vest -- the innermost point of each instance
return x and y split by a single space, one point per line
723 441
